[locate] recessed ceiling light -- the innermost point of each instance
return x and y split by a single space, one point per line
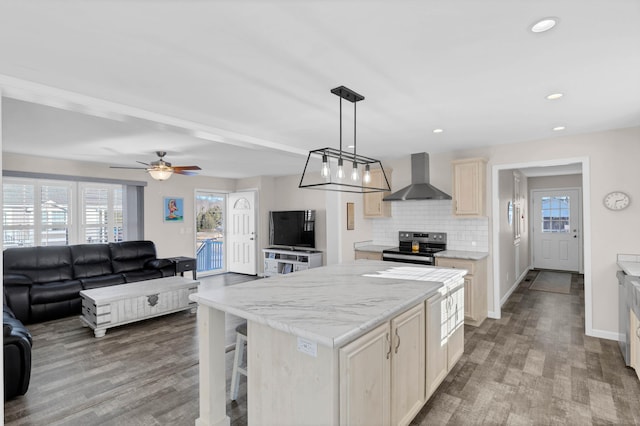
554 96
350 147
558 128
544 25
438 130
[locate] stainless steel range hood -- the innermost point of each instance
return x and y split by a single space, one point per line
420 188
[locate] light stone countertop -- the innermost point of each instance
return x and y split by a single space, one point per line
374 248
331 305
462 254
629 263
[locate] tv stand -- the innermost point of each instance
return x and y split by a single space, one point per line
278 261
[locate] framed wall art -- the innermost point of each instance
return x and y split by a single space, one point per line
173 209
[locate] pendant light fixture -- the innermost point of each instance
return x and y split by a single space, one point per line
318 170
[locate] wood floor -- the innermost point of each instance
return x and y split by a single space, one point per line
533 366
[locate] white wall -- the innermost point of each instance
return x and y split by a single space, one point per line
549 182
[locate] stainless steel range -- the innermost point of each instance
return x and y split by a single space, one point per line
416 247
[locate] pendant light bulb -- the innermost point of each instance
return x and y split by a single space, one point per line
325 171
340 174
367 174
354 172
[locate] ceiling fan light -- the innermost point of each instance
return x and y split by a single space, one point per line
161 174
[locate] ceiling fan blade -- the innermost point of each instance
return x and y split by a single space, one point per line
184 172
186 168
146 164
124 167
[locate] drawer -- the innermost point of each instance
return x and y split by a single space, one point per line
469 265
185 266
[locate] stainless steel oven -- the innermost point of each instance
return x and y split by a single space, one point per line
416 247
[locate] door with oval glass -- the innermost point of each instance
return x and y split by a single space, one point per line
242 233
557 229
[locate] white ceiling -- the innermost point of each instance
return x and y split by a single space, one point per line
256 75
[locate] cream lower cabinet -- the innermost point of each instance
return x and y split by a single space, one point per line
445 335
634 342
475 287
382 373
371 255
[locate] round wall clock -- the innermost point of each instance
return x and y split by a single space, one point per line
616 200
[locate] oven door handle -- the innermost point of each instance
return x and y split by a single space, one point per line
405 257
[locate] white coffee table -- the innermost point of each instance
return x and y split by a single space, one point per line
111 306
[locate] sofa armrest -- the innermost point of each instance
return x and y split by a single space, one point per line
157 263
17 279
18 299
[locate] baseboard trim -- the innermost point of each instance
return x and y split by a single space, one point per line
514 286
604 334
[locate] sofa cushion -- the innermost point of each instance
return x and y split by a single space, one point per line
55 310
131 255
90 260
55 291
102 281
40 264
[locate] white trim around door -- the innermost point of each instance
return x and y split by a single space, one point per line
586 223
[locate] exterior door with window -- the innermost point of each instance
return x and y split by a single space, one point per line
241 226
557 232
210 224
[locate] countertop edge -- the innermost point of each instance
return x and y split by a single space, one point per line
462 254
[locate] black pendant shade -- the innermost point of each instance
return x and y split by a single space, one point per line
333 169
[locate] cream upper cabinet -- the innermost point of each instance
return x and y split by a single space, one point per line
382 372
373 206
475 287
469 192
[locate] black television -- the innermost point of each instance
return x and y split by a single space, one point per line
292 229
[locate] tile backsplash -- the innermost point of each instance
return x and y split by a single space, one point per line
432 216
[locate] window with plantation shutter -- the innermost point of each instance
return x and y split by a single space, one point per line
38 212
101 213
18 214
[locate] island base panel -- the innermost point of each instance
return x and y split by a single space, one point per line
212 374
286 386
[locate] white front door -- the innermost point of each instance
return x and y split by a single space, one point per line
557 231
241 225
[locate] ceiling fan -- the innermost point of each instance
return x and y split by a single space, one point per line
162 170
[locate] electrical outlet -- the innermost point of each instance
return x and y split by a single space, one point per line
307 347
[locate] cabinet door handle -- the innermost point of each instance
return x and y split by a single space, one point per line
389 346
638 331
398 339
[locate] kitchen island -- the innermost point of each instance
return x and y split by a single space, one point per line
324 343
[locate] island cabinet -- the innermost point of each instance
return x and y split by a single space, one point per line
475 287
373 206
339 344
382 373
634 342
445 335
469 176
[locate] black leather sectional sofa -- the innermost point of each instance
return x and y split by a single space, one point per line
17 355
44 283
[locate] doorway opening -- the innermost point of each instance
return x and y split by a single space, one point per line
210 230
498 296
